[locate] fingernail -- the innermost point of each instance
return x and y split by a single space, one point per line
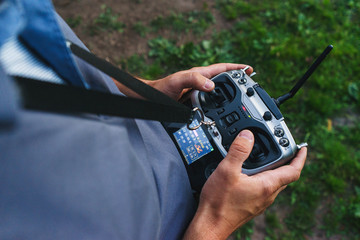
209 84
247 134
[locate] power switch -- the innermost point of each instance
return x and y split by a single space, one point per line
250 91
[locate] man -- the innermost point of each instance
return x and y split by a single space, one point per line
84 176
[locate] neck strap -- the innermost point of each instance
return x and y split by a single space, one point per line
45 96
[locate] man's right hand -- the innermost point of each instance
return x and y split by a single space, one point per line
230 198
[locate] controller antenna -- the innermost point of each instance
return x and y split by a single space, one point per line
280 100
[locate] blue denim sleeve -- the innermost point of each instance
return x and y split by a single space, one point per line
7 102
92 76
10 14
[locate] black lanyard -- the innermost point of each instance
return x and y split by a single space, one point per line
45 96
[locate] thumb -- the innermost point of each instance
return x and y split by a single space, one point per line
240 149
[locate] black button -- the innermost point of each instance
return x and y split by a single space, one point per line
233 131
284 142
279 132
268 101
235 116
250 91
267 116
231 118
220 111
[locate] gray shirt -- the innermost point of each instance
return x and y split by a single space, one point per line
86 176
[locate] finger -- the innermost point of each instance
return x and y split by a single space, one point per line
299 161
212 70
286 174
291 173
240 149
189 79
275 194
279 190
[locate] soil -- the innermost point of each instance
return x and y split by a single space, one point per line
115 46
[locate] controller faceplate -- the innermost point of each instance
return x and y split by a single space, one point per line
243 105
238 103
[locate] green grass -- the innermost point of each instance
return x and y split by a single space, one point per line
74 21
281 39
107 21
245 231
141 29
195 21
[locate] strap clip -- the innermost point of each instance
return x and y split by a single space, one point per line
202 122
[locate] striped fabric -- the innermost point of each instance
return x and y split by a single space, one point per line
19 61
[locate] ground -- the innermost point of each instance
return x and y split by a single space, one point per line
115 45
282 38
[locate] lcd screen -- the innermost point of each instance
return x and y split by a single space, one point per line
193 143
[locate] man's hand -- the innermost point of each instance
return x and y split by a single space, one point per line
229 198
197 78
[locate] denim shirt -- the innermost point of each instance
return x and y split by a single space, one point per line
38 27
81 176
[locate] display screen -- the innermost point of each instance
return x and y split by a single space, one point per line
193 143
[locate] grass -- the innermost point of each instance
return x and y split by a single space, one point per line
107 21
195 21
74 21
281 39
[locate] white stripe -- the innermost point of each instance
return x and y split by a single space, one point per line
18 61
